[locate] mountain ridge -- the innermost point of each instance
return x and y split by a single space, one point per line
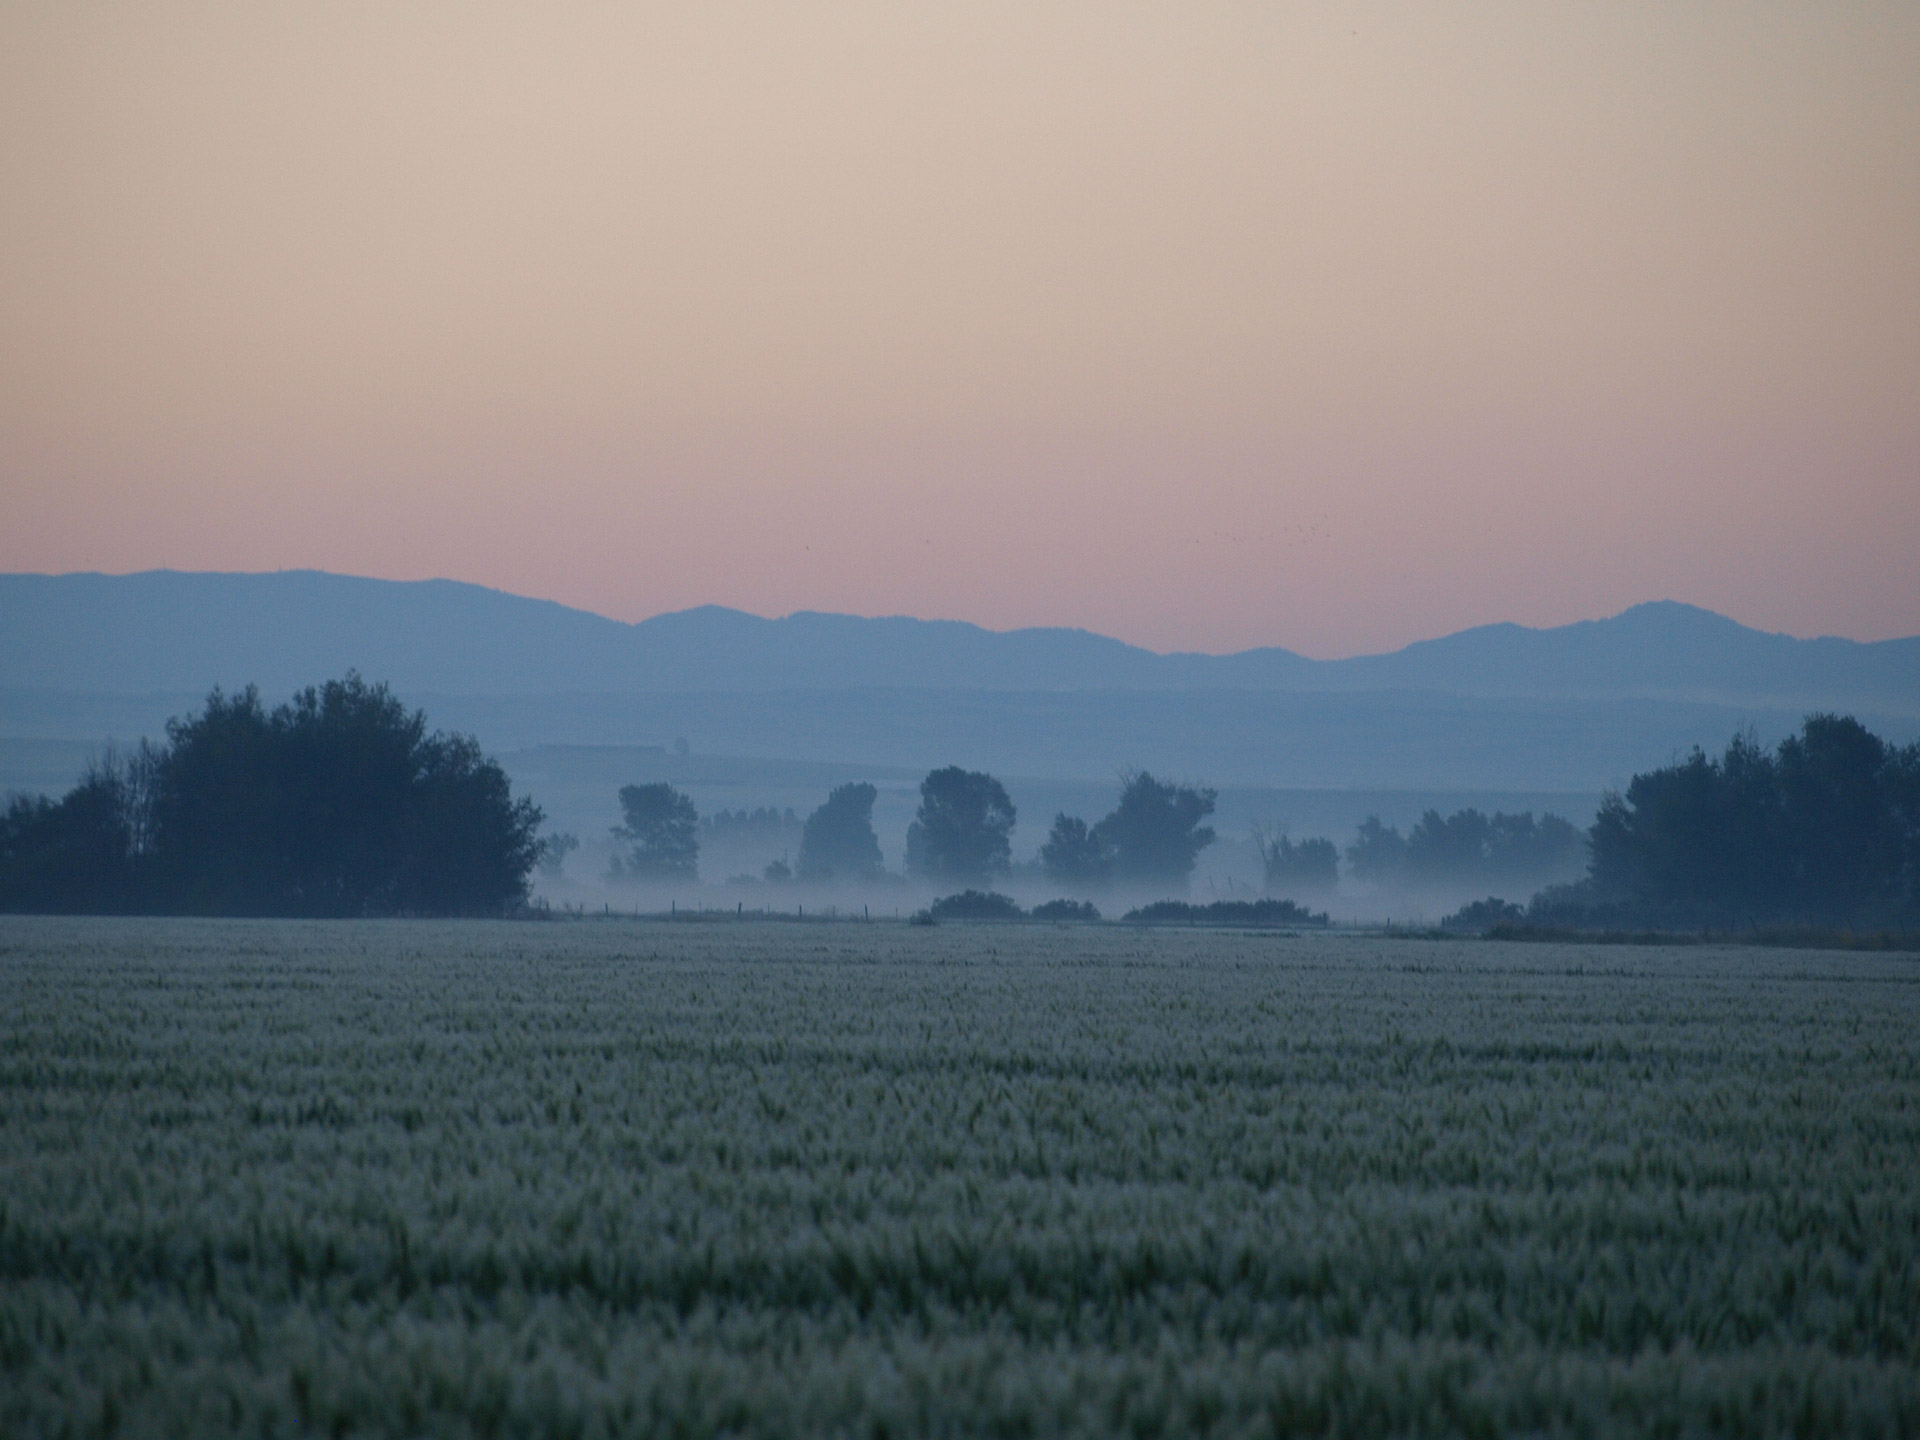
164 630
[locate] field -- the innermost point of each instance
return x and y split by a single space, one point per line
584 1179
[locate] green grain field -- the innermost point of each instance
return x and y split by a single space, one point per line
589 1179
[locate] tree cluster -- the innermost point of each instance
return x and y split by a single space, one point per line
337 803
1466 847
1153 835
1300 867
1825 829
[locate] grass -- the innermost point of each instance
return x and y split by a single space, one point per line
584 1180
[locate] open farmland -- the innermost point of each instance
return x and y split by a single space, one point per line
765 1179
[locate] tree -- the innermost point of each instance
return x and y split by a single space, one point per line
1155 831
1454 847
961 831
1520 848
1073 855
1841 820
1310 865
336 803
89 852
838 840
1378 854
661 834
554 850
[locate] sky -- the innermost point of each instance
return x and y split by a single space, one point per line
1206 325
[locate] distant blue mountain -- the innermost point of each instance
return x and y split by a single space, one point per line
166 631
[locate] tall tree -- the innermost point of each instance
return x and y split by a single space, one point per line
661 834
838 840
1155 830
1074 855
962 830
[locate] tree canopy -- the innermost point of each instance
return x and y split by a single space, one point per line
660 838
1304 865
838 840
1155 833
1467 847
1074 855
1825 828
962 830
338 802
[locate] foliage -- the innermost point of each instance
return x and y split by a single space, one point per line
554 850
1154 833
661 834
1484 915
1081 910
1247 914
1306 866
962 830
1378 854
336 803
1467 847
1823 829
1076 855
601 1180
838 841
975 905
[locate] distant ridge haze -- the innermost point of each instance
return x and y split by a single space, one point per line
173 631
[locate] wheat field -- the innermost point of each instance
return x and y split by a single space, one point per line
596 1179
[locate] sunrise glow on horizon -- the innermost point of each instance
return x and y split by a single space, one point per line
1206 327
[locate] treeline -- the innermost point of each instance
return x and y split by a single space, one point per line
1823 829
1466 848
962 834
337 803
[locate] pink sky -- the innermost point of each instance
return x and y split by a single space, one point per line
1206 326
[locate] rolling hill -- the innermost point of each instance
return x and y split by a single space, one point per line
165 631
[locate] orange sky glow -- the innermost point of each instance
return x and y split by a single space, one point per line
1206 325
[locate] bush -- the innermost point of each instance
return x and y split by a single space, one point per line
1247 914
1483 915
975 905
1065 910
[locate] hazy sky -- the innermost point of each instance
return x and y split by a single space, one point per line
1205 325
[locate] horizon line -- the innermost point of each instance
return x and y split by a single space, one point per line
1663 602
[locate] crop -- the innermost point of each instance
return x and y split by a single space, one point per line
579 1179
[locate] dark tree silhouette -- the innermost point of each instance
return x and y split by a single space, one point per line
1305 866
961 831
336 803
1466 847
661 834
1378 853
1155 831
838 841
1827 828
1843 827
1074 855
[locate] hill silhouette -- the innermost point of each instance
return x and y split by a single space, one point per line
167 631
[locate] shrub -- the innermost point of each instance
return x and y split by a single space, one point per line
1483 915
975 905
